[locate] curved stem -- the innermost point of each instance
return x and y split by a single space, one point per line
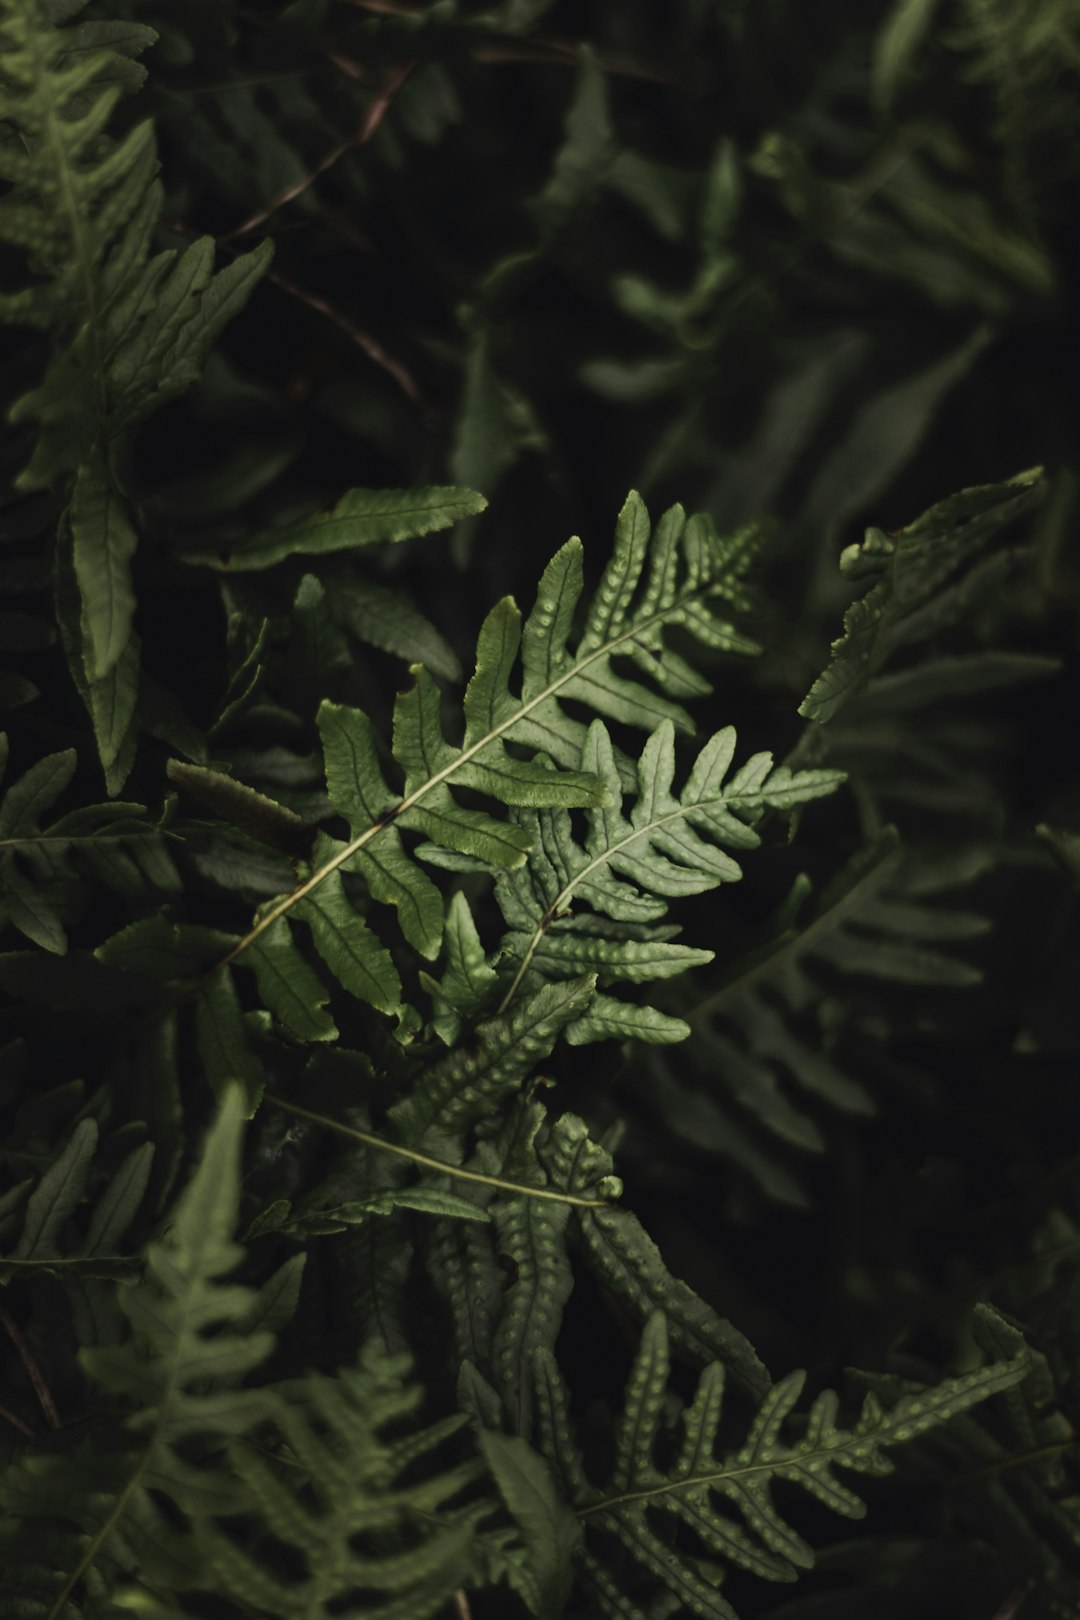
440 1165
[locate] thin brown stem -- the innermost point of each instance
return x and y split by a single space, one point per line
33 1371
1011 1605
363 340
17 1422
370 122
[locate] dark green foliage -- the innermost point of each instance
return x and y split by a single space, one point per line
490 1048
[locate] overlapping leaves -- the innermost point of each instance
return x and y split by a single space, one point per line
704 1483
683 576
131 330
193 1337
40 881
767 1061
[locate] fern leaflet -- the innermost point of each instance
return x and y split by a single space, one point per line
37 885
340 1477
630 865
759 1539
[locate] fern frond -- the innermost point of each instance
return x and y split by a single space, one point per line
340 1477
926 225
362 517
38 886
130 331
626 1260
629 866
43 1222
190 1345
924 578
756 1537
1010 1467
683 577
766 1055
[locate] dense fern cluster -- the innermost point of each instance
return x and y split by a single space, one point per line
495 1026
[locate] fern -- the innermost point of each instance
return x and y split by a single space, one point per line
760 1539
193 1338
343 1478
922 580
1010 1468
773 1046
117 842
42 1214
679 578
131 330
629 866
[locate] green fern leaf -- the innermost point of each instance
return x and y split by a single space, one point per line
629 866
549 1531
262 818
380 616
39 879
627 1261
531 1234
362 517
923 578
343 1478
672 580
44 1244
468 980
761 1069
132 331
315 1221
181 1365
756 1537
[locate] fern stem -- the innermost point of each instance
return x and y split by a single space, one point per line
370 122
440 1165
101 1536
1018 1460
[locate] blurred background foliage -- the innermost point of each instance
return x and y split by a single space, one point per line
812 263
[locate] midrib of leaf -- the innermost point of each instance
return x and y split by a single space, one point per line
116 1514
464 755
800 941
717 1477
82 256
680 813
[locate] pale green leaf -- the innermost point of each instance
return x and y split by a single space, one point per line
549 1529
362 517
357 959
287 984
224 1044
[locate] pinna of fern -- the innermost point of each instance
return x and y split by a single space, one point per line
129 329
630 865
663 1484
